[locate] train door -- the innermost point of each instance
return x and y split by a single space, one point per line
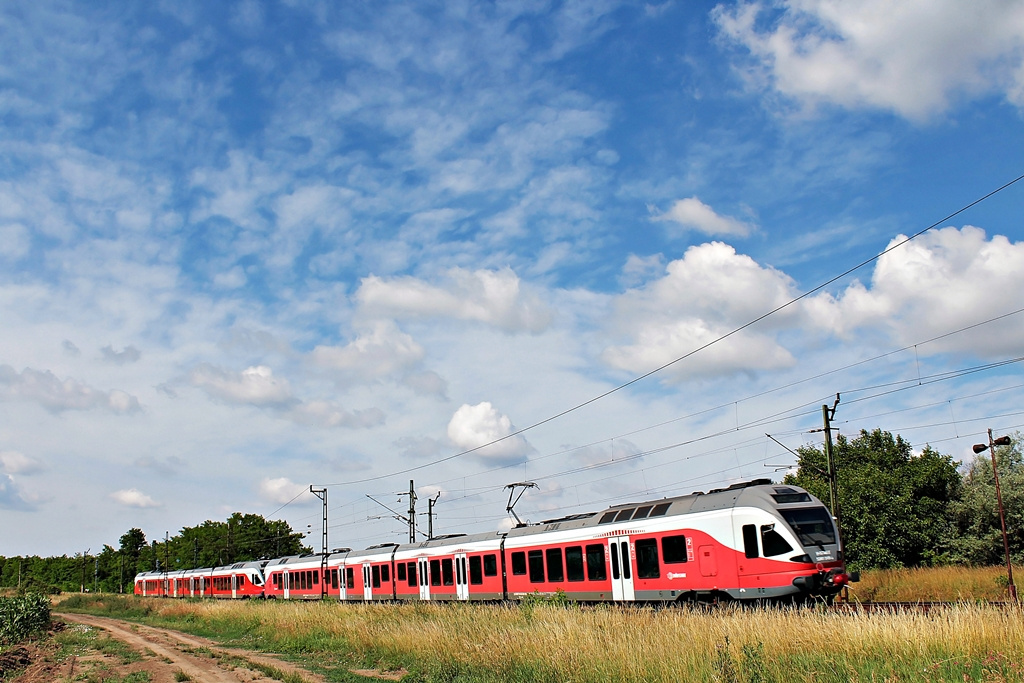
342 590
367 582
234 585
461 580
286 582
622 569
424 576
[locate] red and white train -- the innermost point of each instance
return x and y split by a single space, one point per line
750 541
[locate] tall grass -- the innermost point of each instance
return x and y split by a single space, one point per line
550 643
943 584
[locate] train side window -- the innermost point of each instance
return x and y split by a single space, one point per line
750 540
574 563
350 578
476 570
316 578
435 572
412 574
673 549
642 512
385 573
490 565
446 571
519 563
555 570
376 576
647 559
607 517
334 578
773 543
660 509
536 558
596 569
400 570
624 514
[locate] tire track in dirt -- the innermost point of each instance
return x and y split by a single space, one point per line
173 648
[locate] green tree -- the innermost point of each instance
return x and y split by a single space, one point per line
979 537
895 505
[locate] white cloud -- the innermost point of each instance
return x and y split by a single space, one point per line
129 354
693 214
13 462
494 297
15 241
57 395
940 282
325 414
281 490
711 291
381 351
255 385
474 426
911 57
12 497
134 498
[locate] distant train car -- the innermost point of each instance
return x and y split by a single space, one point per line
751 541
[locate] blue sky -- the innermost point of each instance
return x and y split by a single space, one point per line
246 247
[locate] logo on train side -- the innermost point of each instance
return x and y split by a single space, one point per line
674 575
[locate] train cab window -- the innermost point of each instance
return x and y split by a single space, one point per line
596 568
435 572
607 517
555 571
647 559
375 570
536 558
412 574
642 512
519 563
385 573
673 549
350 578
624 514
660 510
446 572
750 540
772 542
490 565
476 570
574 563
400 571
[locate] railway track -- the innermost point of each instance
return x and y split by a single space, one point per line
920 606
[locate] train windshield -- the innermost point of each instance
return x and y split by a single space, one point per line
813 526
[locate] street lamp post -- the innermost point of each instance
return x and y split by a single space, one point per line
991 448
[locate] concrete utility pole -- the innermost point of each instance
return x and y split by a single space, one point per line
84 556
412 512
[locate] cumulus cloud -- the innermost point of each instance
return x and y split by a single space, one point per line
493 297
711 291
908 57
941 281
281 490
134 498
255 385
129 354
13 462
381 351
693 214
12 497
474 426
58 395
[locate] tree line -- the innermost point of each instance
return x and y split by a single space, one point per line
899 508
240 538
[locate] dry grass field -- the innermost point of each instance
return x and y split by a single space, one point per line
537 642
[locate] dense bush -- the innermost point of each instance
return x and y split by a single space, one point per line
22 616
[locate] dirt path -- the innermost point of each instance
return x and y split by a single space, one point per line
175 655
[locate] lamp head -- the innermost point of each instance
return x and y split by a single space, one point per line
979 447
1002 441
